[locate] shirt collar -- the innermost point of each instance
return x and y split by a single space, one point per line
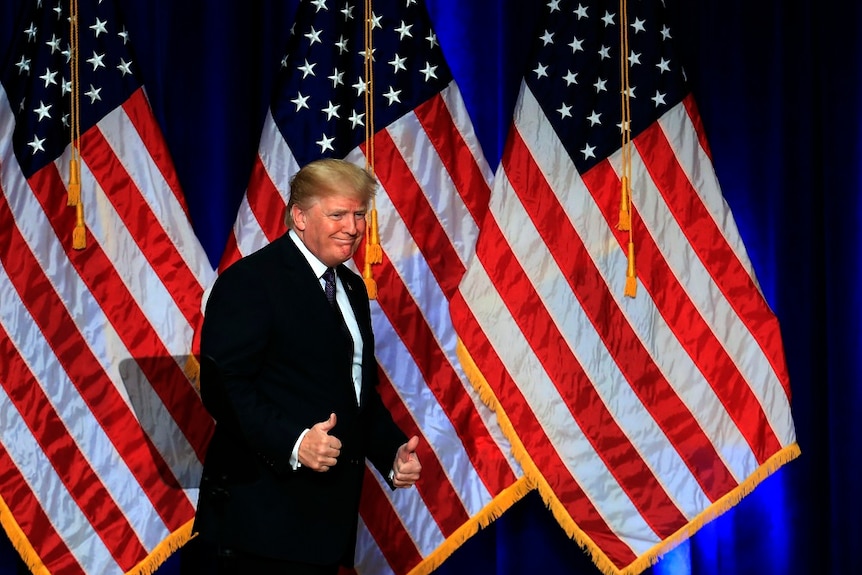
316 265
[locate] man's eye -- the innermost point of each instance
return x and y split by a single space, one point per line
360 215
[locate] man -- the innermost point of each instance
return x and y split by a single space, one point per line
290 379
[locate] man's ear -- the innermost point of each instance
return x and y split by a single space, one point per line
298 216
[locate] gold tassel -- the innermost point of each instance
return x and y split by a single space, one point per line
631 274
373 251
192 369
370 284
79 234
625 222
74 193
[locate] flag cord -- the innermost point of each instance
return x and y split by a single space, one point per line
73 197
373 250
625 219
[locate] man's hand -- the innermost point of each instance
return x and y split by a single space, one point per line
319 450
406 468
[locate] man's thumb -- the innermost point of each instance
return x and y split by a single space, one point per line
329 423
409 448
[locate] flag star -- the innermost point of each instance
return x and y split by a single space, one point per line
547 38
576 45
356 119
341 44
397 64
375 21
331 110
359 86
665 33
594 118
96 60
663 65
600 85
588 151
631 92
404 30
124 67
124 35
571 78
348 12
581 11
638 25
49 77
42 111
393 95
54 43
605 52
67 53
373 51
65 120
541 71
307 69
300 102
658 99
554 5
565 111
99 27
93 93
31 34
313 36
59 10
325 143
608 19
66 87
320 5
36 144
429 71
634 58
337 78
432 39
23 65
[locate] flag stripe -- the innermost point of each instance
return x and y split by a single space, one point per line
60 450
74 353
438 120
28 514
436 489
591 526
386 528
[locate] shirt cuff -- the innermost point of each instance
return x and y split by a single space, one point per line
294 455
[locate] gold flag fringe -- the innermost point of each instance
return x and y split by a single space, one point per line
535 480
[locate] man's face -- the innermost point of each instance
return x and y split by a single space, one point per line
331 228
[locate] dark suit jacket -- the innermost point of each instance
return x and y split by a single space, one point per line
278 361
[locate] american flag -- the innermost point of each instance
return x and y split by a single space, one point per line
640 414
434 186
103 433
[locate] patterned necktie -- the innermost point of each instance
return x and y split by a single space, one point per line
329 285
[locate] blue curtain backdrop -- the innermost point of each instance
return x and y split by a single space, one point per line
778 86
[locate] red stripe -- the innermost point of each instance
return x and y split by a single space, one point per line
140 114
694 334
593 417
84 369
231 253
435 488
60 449
537 445
418 216
387 530
131 323
407 320
265 202
455 154
142 224
710 245
27 512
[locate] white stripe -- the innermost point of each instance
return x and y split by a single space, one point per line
71 524
369 559
654 334
132 153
